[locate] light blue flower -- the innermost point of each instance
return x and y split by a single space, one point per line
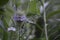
11 29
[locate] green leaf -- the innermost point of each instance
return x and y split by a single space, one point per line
8 13
5 36
30 14
1 30
49 15
5 33
17 3
33 8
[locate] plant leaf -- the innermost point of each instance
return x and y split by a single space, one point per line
49 15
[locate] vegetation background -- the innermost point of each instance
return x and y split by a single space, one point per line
29 19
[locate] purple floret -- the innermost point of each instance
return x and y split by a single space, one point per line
19 18
23 18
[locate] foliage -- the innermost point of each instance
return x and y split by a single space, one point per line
28 19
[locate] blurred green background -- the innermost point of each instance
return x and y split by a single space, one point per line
27 19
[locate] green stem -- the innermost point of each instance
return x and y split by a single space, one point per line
45 22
